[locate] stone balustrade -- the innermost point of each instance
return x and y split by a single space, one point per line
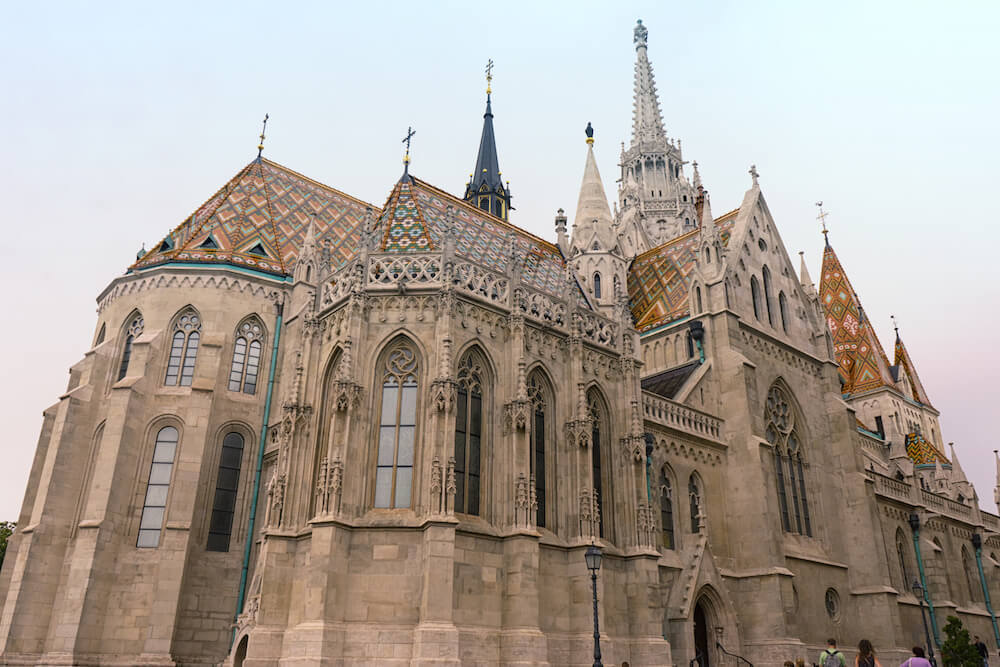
680 417
934 502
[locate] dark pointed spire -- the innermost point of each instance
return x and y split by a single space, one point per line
486 189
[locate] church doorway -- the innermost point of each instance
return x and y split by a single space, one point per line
701 652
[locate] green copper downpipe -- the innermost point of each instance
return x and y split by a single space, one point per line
256 475
977 542
915 525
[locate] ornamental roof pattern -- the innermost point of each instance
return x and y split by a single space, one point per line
861 359
258 220
903 360
922 452
659 279
416 218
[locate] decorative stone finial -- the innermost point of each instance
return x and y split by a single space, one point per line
754 174
639 35
590 134
260 146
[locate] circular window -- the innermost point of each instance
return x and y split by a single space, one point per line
761 244
832 604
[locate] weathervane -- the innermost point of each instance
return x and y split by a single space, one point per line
406 158
489 76
822 219
260 146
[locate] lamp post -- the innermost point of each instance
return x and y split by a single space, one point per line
593 558
918 590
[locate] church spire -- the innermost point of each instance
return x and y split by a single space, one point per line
647 123
485 188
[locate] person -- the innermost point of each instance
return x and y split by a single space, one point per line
918 659
866 655
789 663
983 651
831 657
800 662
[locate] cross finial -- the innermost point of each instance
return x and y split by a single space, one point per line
754 174
489 76
406 158
895 325
260 146
822 219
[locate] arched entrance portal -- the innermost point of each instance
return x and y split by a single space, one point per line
701 629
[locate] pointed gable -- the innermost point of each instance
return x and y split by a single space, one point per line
903 361
862 361
258 220
659 279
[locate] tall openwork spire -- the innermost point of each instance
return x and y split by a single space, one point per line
647 122
485 188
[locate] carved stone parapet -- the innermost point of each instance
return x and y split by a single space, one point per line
515 414
444 392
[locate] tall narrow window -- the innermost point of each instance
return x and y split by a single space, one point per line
666 510
697 296
468 435
599 432
155 505
971 576
183 349
397 428
246 356
755 293
783 307
694 493
220 526
597 285
100 335
134 331
536 394
781 432
901 555
767 295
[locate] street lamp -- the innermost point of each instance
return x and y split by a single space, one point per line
593 558
918 591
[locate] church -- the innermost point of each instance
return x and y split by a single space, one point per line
311 430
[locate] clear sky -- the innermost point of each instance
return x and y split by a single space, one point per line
119 119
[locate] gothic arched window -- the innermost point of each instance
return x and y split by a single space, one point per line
666 510
783 308
183 349
766 273
537 395
246 356
397 428
154 506
904 571
134 331
469 434
220 526
694 496
599 433
697 299
755 294
781 432
971 575
597 285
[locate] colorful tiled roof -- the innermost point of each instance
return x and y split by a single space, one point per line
659 279
903 361
922 452
259 219
416 214
863 364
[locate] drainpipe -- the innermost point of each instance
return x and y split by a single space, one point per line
697 332
915 526
977 542
241 598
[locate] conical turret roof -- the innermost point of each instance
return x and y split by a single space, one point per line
593 215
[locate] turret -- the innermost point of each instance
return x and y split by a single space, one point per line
485 189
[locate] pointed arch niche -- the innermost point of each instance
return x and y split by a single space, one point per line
472 429
541 433
397 381
600 460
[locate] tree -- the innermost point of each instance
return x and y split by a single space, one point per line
957 650
6 529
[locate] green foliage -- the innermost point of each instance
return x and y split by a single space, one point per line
6 529
957 650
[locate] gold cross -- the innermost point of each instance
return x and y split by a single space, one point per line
489 75
822 217
406 140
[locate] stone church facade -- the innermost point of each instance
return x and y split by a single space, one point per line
314 431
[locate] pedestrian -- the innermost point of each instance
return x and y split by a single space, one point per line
918 659
831 657
983 651
800 662
789 663
866 655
